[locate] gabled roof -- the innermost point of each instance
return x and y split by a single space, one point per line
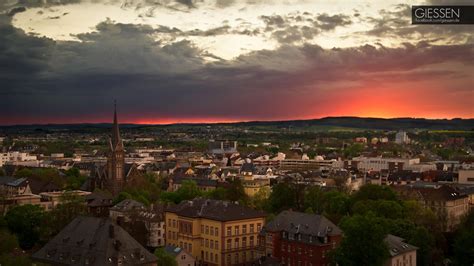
304 224
93 241
97 199
397 245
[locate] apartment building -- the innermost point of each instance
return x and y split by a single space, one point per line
295 238
214 232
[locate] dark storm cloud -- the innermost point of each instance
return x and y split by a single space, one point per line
327 22
125 62
299 27
16 10
397 24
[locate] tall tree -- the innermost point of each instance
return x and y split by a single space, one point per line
25 221
363 242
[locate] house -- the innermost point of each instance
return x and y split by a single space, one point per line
448 203
401 253
182 257
296 238
214 232
145 224
98 204
93 241
11 186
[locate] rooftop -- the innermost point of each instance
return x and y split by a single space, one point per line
93 241
397 245
214 210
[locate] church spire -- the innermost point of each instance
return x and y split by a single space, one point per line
116 141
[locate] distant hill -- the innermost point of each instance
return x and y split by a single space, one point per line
376 123
341 122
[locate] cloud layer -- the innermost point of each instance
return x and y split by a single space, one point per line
156 80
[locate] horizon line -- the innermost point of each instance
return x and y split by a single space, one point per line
227 121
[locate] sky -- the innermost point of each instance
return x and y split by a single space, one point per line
175 61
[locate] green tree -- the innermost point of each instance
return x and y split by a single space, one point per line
8 242
25 221
374 192
363 242
283 197
188 190
464 241
260 199
236 192
165 259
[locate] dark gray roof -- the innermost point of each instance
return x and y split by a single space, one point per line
397 245
304 224
172 250
248 167
128 205
215 210
12 181
93 241
97 199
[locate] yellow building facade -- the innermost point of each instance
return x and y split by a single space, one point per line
215 232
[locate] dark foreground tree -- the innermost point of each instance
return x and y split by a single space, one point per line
363 242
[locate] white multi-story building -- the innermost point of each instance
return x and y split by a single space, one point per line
402 138
379 163
16 157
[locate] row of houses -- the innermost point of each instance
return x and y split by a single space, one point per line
203 232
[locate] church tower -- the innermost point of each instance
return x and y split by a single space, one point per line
115 160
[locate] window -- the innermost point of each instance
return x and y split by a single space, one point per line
216 258
217 244
251 228
212 230
244 229
169 222
181 244
216 231
229 230
229 243
228 262
251 241
236 244
207 243
212 244
190 246
244 242
236 258
244 256
174 223
259 227
236 230
207 229
207 255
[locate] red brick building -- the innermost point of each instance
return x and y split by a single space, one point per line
299 239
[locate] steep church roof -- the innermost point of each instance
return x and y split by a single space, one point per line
115 140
